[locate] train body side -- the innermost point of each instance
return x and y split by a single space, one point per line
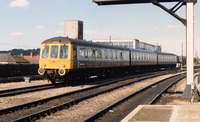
143 58
63 57
166 60
90 56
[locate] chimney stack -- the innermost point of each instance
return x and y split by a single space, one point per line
31 54
22 55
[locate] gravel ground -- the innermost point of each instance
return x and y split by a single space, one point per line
28 97
12 85
174 98
80 111
88 107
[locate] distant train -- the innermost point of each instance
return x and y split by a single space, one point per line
66 58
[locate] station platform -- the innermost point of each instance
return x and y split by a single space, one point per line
167 113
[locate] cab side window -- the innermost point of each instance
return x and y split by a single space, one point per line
63 52
45 52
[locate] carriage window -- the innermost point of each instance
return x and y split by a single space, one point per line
45 52
93 53
54 51
89 52
136 56
99 55
121 55
132 55
86 53
82 52
116 54
106 54
63 52
111 54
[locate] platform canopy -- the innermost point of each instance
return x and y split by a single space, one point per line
112 2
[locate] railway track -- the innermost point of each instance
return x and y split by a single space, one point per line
23 90
36 109
20 78
148 95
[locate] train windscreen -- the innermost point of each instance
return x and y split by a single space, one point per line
54 51
63 52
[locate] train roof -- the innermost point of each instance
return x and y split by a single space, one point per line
143 51
66 40
166 54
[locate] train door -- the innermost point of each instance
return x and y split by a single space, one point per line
121 59
75 56
130 57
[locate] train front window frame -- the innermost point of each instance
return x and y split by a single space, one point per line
54 51
45 52
64 51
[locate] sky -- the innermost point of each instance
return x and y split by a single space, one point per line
26 23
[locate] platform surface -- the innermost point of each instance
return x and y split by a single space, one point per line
165 113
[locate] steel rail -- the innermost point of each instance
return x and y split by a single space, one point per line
65 105
156 98
22 90
20 78
17 91
105 110
164 90
65 94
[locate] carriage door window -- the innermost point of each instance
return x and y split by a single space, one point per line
93 54
121 55
63 52
45 52
75 54
54 51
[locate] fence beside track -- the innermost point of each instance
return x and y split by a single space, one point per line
10 70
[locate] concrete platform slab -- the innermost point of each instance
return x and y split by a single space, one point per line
165 113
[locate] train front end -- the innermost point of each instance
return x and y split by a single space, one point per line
55 59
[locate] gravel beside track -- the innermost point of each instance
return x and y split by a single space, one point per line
88 107
53 92
6 102
5 86
173 95
63 100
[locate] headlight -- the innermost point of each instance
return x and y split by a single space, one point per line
41 71
61 72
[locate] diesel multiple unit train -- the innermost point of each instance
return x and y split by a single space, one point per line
66 58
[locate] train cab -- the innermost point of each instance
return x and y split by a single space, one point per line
55 58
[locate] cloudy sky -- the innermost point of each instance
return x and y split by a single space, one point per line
26 23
